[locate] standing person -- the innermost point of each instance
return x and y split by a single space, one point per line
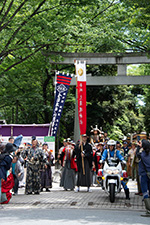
98 155
34 156
125 148
18 173
5 164
46 173
61 149
6 159
144 173
68 172
129 170
136 165
22 162
84 180
131 155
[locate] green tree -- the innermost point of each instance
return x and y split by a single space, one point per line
31 29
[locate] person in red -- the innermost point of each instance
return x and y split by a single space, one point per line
6 182
97 156
69 167
6 187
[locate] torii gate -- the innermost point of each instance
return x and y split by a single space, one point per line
119 59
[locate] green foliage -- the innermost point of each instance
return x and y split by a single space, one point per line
30 29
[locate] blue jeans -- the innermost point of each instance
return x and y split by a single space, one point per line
145 186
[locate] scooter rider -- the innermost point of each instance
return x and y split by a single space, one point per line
112 152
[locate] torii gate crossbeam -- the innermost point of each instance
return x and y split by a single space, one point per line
119 59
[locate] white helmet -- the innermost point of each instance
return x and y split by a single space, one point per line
111 142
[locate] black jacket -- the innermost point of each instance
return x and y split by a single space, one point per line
88 152
5 164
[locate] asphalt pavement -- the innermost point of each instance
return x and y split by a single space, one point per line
20 216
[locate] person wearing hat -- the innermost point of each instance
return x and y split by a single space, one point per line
5 159
45 171
84 163
125 148
112 152
34 157
96 135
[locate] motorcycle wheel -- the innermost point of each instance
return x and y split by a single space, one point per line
112 192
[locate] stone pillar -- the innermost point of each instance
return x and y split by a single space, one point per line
122 70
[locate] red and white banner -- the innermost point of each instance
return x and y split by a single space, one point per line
81 90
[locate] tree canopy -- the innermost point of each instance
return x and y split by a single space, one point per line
29 28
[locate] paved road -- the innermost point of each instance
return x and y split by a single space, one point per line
71 217
70 208
59 199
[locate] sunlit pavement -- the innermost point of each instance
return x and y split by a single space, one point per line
61 199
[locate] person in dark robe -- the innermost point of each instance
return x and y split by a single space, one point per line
84 163
46 173
69 167
34 156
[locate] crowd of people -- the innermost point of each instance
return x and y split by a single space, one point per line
80 164
82 161
28 166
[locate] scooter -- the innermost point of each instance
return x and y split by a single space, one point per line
110 177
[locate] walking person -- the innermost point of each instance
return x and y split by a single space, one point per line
84 163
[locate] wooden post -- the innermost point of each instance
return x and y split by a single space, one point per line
82 156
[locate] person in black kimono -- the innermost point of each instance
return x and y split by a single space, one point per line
84 163
46 173
34 157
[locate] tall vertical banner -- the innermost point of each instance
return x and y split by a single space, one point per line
81 90
62 86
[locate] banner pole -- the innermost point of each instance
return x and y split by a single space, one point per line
82 155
